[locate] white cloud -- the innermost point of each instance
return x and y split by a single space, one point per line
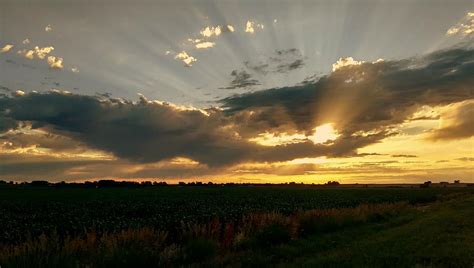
6 48
464 28
205 45
186 58
55 62
342 62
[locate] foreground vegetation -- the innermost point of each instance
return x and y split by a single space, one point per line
325 227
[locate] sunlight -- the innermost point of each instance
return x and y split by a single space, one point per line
323 134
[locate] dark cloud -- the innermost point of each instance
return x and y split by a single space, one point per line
370 97
466 159
281 61
6 89
7 123
241 79
364 111
367 154
285 67
290 51
404 155
150 131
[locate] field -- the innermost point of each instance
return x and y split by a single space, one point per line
235 225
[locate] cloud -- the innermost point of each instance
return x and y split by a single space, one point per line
388 93
285 67
42 52
464 28
404 155
466 159
4 88
343 62
280 61
39 52
55 62
251 26
457 122
145 131
205 45
210 31
150 131
6 48
229 28
19 93
361 114
29 54
241 79
186 58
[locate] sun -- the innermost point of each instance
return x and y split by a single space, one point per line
323 134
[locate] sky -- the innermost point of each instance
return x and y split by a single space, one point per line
237 91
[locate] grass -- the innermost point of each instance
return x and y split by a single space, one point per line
441 235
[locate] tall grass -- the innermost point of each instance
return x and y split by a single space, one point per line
191 243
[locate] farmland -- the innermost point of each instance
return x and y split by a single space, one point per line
176 215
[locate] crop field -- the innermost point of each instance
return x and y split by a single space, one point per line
221 219
35 210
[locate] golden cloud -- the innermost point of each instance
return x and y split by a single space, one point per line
39 52
55 62
205 45
251 26
321 134
465 27
6 48
211 31
343 62
186 58
19 93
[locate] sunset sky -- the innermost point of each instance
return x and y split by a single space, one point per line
244 91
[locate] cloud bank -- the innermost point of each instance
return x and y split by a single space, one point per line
363 102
